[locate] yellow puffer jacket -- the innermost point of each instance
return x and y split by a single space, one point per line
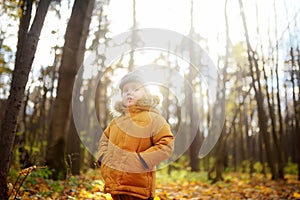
130 148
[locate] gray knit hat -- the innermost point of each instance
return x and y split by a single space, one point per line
134 76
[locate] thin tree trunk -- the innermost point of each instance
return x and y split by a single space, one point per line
262 116
26 48
219 156
194 151
43 121
252 152
234 149
281 141
296 103
297 112
248 137
243 147
219 108
74 151
196 143
134 36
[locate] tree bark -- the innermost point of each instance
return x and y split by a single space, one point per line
297 112
73 54
255 75
73 149
74 153
279 142
26 48
296 103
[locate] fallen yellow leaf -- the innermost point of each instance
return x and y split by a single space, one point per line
296 195
108 196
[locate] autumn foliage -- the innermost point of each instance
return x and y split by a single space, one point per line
179 184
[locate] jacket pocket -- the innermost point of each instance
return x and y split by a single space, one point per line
99 161
143 161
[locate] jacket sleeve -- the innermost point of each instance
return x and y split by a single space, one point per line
103 145
162 149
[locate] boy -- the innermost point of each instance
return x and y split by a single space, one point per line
134 143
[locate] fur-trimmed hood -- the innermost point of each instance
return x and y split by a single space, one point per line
147 103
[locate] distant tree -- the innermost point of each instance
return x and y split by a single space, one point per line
220 155
259 95
27 43
196 143
295 80
281 136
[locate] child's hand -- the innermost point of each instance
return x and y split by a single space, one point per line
99 161
133 164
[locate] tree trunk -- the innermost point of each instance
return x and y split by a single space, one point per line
262 154
196 142
26 48
73 54
74 151
262 116
194 151
243 145
282 137
219 107
134 37
296 103
234 147
219 158
297 112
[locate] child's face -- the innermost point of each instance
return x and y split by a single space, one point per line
131 93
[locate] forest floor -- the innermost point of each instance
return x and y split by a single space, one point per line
177 185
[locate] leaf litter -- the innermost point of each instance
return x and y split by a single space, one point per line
179 185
